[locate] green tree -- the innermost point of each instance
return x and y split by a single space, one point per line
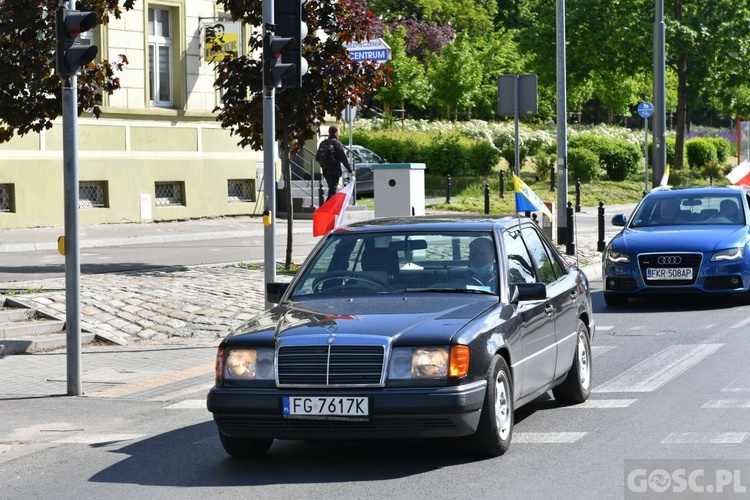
333 80
409 82
497 54
455 76
30 91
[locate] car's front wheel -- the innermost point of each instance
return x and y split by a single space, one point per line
577 385
245 447
495 429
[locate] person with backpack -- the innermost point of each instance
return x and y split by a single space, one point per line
331 155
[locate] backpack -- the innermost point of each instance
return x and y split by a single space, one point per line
328 157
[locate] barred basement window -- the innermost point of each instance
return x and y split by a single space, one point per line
92 194
169 193
6 198
240 190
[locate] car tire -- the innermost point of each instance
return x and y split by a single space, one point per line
615 300
576 387
245 447
495 430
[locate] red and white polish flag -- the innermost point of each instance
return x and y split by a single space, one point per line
740 175
330 214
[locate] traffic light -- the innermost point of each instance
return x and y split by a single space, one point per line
71 55
285 46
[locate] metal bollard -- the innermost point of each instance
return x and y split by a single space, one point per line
570 247
320 192
710 180
502 184
600 215
486 198
535 218
552 178
448 191
578 195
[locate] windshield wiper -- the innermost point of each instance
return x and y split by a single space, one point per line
448 290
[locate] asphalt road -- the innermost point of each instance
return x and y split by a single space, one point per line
671 384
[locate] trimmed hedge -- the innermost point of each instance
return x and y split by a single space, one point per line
583 164
700 152
619 158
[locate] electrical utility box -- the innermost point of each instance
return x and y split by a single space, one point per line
398 189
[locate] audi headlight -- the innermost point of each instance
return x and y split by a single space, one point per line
619 257
728 254
249 364
422 363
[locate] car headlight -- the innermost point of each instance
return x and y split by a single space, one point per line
615 256
728 254
249 364
428 362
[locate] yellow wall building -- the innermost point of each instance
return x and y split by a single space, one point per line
157 151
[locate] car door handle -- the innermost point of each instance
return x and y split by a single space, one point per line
549 309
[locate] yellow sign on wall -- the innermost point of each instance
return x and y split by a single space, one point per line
221 39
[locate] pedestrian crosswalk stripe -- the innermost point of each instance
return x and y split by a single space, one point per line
98 438
741 324
604 328
598 350
727 403
705 438
547 437
188 404
740 384
603 403
652 373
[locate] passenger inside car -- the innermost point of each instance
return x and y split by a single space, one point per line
669 212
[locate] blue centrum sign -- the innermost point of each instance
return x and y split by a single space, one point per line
373 50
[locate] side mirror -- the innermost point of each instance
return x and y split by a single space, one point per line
520 292
274 291
619 220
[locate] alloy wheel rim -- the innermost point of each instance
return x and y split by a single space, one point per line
502 406
584 368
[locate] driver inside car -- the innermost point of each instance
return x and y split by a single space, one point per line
482 261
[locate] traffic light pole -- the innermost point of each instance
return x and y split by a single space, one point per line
269 167
72 247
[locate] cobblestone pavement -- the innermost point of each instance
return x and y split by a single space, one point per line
196 306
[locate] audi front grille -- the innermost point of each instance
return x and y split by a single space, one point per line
670 260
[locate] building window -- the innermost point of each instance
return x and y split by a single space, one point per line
92 194
169 193
160 57
240 190
6 198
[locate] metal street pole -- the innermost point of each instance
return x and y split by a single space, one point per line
72 247
562 129
659 121
269 167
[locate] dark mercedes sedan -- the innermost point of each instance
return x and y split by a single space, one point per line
416 327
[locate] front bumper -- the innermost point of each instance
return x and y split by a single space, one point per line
427 412
712 277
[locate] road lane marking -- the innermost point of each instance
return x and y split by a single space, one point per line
598 350
150 383
98 438
654 372
184 392
188 404
603 403
741 324
727 403
547 437
705 438
740 384
604 328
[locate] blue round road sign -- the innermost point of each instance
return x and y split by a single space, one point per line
645 109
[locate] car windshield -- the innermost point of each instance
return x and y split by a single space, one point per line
393 262
676 209
363 155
